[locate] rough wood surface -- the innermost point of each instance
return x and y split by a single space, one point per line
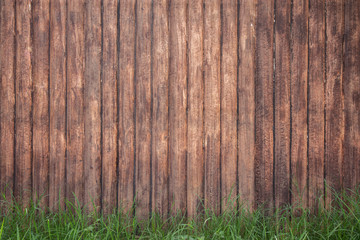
75 100
177 105
160 96
195 156
246 101
109 105
40 116
24 107
228 118
282 103
299 78
212 29
264 115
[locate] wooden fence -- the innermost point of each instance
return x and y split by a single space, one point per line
179 103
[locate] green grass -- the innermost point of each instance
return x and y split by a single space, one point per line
340 222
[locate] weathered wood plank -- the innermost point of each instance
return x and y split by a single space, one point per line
212 30
264 115
228 118
7 96
178 104
58 85
282 103
316 101
126 105
195 156
109 105
92 105
334 132
40 76
299 78
246 101
143 108
75 100
23 120
160 96
352 95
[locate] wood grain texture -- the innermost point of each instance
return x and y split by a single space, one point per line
57 161
7 96
316 101
228 118
195 151
246 101
23 88
282 103
178 105
352 95
299 78
264 115
160 96
334 99
40 75
126 103
75 100
212 28
143 109
92 105
109 105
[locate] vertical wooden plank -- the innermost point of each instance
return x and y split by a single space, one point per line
109 105
57 104
334 132
143 108
299 78
246 101
160 127
264 114
212 104
92 105
7 96
75 100
352 95
195 156
228 104
316 101
282 103
126 104
40 75
23 120
178 103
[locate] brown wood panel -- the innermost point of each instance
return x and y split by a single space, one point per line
126 105
75 99
143 108
195 151
40 76
264 115
316 101
178 104
334 99
352 95
246 102
160 96
109 105
57 104
23 88
212 28
282 103
228 118
299 78
92 105
7 96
